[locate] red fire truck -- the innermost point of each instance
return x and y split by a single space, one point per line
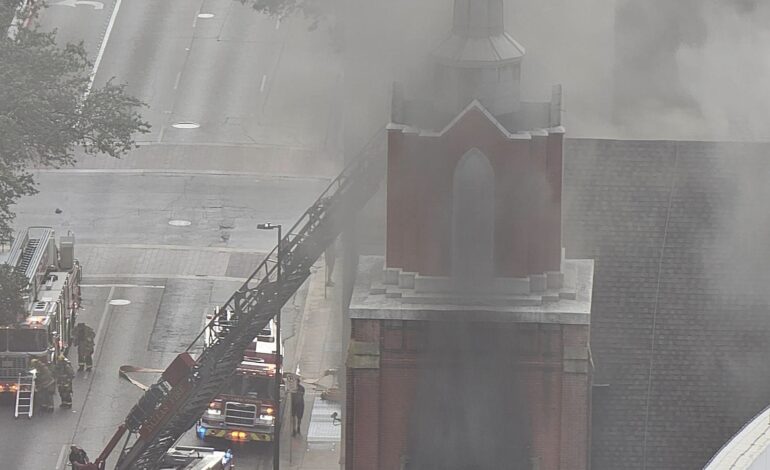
246 410
52 298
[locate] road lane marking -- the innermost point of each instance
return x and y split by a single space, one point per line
188 277
277 23
124 286
60 460
264 82
160 172
75 3
103 46
178 77
97 339
147 246
98 354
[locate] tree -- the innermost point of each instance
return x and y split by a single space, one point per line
48 110
11 301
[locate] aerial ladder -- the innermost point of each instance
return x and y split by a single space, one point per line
176 401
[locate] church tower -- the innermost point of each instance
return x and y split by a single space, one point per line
469 341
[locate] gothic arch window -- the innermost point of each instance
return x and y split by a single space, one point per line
473 219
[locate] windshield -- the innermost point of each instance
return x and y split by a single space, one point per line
26 341
249 385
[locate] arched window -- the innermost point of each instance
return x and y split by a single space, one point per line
473 219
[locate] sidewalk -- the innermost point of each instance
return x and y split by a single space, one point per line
313 350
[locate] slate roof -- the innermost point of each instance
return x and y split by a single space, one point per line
681 319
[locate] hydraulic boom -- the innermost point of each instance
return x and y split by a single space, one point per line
174 403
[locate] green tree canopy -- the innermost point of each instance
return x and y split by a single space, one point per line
11 301
48 110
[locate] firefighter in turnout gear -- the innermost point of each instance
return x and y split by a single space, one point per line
45 384
64 375
84 339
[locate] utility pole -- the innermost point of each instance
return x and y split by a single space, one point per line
279 360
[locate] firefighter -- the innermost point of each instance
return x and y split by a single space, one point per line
45 384
297 409
84 339
78 458
64 375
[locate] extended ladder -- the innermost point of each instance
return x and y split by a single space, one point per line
250 310
25 395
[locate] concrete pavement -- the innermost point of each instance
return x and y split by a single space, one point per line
313 350
171 226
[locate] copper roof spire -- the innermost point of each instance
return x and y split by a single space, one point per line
478 36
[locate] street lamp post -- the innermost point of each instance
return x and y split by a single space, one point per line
278 370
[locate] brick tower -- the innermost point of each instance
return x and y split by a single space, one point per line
469 341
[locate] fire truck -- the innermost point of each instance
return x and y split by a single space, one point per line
245 410
51 296
190 384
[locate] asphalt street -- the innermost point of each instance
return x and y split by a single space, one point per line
171 228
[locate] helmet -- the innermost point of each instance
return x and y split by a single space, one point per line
34 362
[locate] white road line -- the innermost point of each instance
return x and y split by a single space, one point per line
97 355
178 77
103 46
131 171
98 340
277 23
142 246
125 286
60 460
264 82
189 277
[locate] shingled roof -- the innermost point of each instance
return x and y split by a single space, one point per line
681 318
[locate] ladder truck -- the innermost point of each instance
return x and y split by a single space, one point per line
52 298
246 410
191 382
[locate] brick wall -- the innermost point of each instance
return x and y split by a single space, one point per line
527 194
550 360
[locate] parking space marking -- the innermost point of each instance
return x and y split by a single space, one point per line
60 460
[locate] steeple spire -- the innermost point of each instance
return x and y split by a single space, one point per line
478 18
478 36
479 59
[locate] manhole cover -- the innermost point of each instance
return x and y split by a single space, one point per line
119 302
205 15
186 125
179 223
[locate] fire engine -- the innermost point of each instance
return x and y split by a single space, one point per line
52 298
246 409
189 386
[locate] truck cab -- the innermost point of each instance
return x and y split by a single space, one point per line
246 409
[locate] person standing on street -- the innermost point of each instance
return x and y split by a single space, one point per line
297 409
84 339
45 384
64 374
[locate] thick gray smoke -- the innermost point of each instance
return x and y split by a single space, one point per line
693 69
470 411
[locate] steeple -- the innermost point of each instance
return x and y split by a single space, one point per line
479 59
